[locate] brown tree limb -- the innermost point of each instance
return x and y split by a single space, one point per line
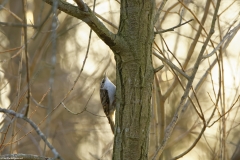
9 24
26 56
158 68
24 156
173 66
35 127
159 11
88 17
172 28
82 6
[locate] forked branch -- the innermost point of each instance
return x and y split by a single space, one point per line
35 127
83 12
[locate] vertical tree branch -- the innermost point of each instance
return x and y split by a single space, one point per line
159 11
35 127
178 112
26 55
51 80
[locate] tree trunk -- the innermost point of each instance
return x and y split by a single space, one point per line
132 47
134 80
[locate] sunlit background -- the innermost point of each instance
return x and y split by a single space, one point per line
88 135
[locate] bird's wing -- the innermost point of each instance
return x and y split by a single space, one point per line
104 100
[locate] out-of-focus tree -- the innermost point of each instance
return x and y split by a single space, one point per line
177 77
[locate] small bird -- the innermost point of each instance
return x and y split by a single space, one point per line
107 96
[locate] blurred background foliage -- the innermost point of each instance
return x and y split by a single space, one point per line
87 135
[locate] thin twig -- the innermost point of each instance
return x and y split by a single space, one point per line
222 123
199 31
200 108
192 146
172 53
167 12
225 38
35 127
51 80
105 20
9 24
215 105
37 104
25 157
159 11
177 115
74 84
160 104
225 112
43 97
202 117
90 19
13 14
84 109
95 114
172 29
158 68
10 50
26 56
171 65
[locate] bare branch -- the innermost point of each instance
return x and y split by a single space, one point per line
159 11
105 20
225 112
24 156
35 127
226 38
88 17
158 68
84 109
199 30
193 145
172 29
178 112
17 25
26 56
82 6
171 65
11 13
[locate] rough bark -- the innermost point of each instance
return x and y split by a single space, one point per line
134 80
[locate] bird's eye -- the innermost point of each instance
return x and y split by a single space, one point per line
103 81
